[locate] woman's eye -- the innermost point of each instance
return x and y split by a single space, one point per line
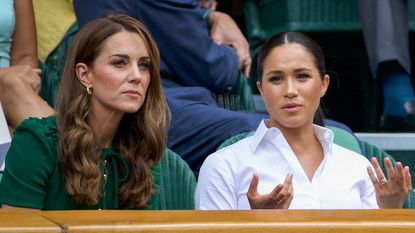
119 63
275 79
303 77
144 66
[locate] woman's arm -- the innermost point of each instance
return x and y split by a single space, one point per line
24 45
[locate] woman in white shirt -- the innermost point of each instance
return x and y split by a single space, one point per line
291 161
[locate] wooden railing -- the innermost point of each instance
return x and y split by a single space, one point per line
287 221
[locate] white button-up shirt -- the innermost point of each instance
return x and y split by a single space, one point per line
340 182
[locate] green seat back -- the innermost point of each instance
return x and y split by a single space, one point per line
177 183
345 139
234 139
239 98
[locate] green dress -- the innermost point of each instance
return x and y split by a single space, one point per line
33 175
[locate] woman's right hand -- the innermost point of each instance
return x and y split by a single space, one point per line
279 198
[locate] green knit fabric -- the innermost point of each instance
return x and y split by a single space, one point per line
239 98
177 183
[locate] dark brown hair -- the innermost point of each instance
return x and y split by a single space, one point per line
141 136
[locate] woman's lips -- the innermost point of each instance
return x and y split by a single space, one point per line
292 107
132 93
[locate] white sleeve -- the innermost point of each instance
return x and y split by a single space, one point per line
368 197
215 188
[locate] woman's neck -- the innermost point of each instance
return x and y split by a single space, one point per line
306 147
104 126
301 136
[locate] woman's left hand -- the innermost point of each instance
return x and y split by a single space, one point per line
391 191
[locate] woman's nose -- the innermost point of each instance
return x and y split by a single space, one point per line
290 88
135 75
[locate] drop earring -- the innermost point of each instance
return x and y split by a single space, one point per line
88 90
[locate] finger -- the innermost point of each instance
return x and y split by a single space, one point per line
399 174
214 5
37 71
288 179
216 36
248 63
241 52
289 185
36 83
36 88
253 187
285 193
276 191
378 169
389 169
241 58
407 178
374 179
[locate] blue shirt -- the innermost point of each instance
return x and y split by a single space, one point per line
7 23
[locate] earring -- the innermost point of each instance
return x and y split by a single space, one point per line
88 90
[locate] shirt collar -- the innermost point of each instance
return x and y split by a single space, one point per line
324 135
326 138
262 133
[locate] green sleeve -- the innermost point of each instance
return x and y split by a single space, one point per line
29 163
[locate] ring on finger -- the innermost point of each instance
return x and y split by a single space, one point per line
383 181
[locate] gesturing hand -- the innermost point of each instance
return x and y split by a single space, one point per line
279 198
391 191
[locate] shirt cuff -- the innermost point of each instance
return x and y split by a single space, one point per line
206 14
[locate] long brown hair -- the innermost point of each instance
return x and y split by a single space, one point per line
141 136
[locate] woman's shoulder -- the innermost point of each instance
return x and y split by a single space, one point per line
240 147
348 156
38 127
233 155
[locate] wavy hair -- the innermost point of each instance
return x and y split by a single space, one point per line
141 136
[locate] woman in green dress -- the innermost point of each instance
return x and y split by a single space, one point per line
101 149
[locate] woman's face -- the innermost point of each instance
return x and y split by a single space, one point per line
120 75
291 86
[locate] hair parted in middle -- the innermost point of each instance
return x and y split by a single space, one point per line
294 38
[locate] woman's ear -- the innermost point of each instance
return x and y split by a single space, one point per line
82 72
325 84
258 85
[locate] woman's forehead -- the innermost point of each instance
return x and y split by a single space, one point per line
292 54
